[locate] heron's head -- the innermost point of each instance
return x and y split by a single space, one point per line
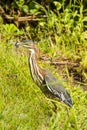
29 44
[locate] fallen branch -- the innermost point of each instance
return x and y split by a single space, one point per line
26 18
21 19
64 63
45 58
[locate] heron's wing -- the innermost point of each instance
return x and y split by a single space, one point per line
57 88
53 84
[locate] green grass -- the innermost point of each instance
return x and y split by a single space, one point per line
22 104
62 36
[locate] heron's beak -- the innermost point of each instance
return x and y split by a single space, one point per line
17 44
24 43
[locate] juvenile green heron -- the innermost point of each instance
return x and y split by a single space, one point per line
43 77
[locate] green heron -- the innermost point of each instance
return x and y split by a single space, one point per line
42 77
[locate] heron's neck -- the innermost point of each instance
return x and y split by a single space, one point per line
36 71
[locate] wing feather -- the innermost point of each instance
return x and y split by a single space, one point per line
56 88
